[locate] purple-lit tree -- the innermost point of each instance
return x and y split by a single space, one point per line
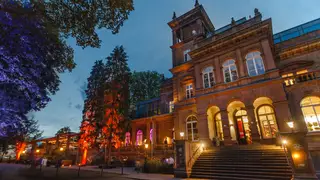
32 53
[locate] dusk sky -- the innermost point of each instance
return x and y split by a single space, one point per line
147 37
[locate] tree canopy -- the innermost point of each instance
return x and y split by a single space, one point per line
63 130
144 85
31 56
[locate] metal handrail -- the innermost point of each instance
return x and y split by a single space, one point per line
193 156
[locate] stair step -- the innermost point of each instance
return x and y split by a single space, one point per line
240 170
244 174
241 166
236 177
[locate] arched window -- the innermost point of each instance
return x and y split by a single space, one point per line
192 130
255 64
208 77
151 130
230 71
268 121
139 138
127 139
310 107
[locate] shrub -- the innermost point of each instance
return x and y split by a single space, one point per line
155 165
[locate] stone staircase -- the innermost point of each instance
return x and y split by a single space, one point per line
243 162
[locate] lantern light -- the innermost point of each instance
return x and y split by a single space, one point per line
146 146
61 149
182 134
37 151
290 124
296 156
284 142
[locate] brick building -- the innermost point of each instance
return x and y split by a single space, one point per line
240 83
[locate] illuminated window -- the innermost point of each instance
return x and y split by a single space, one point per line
230 71
127 138
192 130
139 138
255 64
189 91
208 77
171 106
268 121
302 71
310 107
289 80
186 55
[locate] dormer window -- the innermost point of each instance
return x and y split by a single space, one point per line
186 55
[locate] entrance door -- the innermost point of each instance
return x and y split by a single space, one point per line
244 135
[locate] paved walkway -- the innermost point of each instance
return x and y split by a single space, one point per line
128 172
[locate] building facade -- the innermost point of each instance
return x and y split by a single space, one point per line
240 84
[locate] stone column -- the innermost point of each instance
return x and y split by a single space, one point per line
283 115
133 134
226 127
203 131
148 132
218 75
267 56
253 124
197 75
241 64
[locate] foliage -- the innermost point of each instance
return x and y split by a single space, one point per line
106 106
63 130
144 85
80 19
31 56
155 165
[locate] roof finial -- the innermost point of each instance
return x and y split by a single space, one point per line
196 4
256 12
174 15
233 22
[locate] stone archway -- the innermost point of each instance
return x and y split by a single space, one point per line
215 123
239 123
265 116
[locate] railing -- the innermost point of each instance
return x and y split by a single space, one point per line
299 78
194 156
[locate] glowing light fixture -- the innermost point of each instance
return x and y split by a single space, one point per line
181 134
290 124
146 146
61 149
284 142
37 151
296 156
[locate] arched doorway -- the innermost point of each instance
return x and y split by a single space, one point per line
265 116
238 120
243 127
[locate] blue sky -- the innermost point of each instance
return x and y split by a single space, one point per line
147 37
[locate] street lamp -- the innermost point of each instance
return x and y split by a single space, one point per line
37 151
61 149
146 146
182 135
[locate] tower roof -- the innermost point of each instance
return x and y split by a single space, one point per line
196 11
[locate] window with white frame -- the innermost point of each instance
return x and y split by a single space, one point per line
255 63
186 56
230 71
189 91
208 77
192 130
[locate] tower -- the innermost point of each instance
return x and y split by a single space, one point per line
186 29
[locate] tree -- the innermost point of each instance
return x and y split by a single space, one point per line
106 106
31 57
93 108
80 19
144 85
27 131
63 130
33 49
116 98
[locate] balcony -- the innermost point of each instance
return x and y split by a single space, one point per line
300 78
